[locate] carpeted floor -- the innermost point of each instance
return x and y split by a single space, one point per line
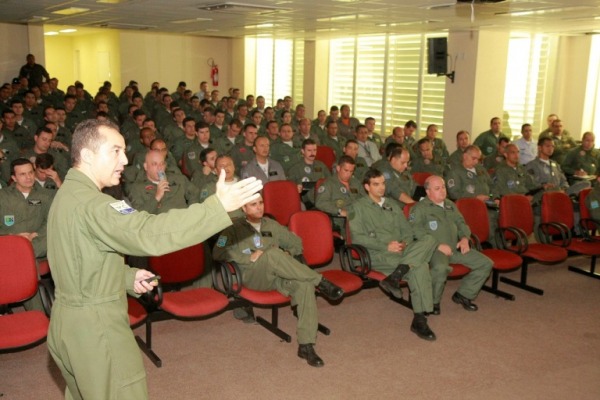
537 347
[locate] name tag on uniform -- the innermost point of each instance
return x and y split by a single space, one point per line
386 208
272 173
122 207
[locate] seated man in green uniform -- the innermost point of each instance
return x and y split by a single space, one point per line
440 151
306 172
337 192
399 183
222 163
463 140
563 142
513 178
265 252
45 174
333 139
438 217
488 140
378 223
191 157
159 192
283 149
89 336
208 173
497 157
583 160
24 206
426 160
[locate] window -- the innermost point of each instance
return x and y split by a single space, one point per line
279 69
526 74
385 77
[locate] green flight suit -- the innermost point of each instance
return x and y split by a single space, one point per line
89 335
302 172
201 180
455 159
223 145
493 161
334 196
336 144
241 154
592 202
375 226
191 158
274 269
20 214
488 142
181 145
285 154
463 183
11 151
562 145
509 180
579 159
181 193
397 183
447 225
210 188
434 167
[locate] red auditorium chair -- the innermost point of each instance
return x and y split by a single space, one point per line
326 155
19 282
281 200
475 214
557 229
169 301
515 225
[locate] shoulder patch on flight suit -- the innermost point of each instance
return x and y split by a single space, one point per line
387 176
122 207
450 183
433 225
593 205
191 155
9 220
222 241
321 189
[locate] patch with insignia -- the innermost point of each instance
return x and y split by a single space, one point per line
307 169
470 189
450 183
469 174
222 241
34 202
247 251
122 207
9 220
305 179
321 189
593 205
191 155
343 190
433 225
387 176
286 158
411 217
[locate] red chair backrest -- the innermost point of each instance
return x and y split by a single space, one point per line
474 211
557 207
515 211
180 266
314 228
420 177
326 155
281 200
18 274
584 212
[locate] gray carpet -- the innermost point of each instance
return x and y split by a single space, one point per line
537 347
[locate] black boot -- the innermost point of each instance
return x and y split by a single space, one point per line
307 351
391 284
420 328
466 303
331 291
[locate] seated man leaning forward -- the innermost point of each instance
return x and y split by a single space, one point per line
265 252
438 217
378 223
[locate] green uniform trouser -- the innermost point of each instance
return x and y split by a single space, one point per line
276 270
471 284
115 370
417 255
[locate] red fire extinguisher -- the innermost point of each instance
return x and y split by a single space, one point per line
214 72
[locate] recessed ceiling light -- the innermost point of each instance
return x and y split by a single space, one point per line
71 11
260 26
68 30
111 1
189 21
51 33
540 11
342 17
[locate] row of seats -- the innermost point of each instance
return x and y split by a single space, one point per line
19 281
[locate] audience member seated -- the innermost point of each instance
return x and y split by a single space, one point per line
307 171
563 142
583 160
513 178
45 174
527 146
261 166
283 150
497 157
367 149
488 141
399 183
426 160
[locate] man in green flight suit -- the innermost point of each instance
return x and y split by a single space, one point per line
399 183
488 140
438 217
89 336
378 224
582 160
265 252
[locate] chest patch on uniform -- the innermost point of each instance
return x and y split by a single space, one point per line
307 170
450 183
247 251
9 220
266 234
122 208
433 225
593 205
192 155
321 189
470 189
34 202
343 190
222 241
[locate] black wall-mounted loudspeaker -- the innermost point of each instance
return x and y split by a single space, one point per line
437 55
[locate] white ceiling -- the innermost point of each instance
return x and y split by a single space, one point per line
311 19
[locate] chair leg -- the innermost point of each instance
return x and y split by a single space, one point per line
591 273
272 326
323 329
494 288
523 283
146 347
